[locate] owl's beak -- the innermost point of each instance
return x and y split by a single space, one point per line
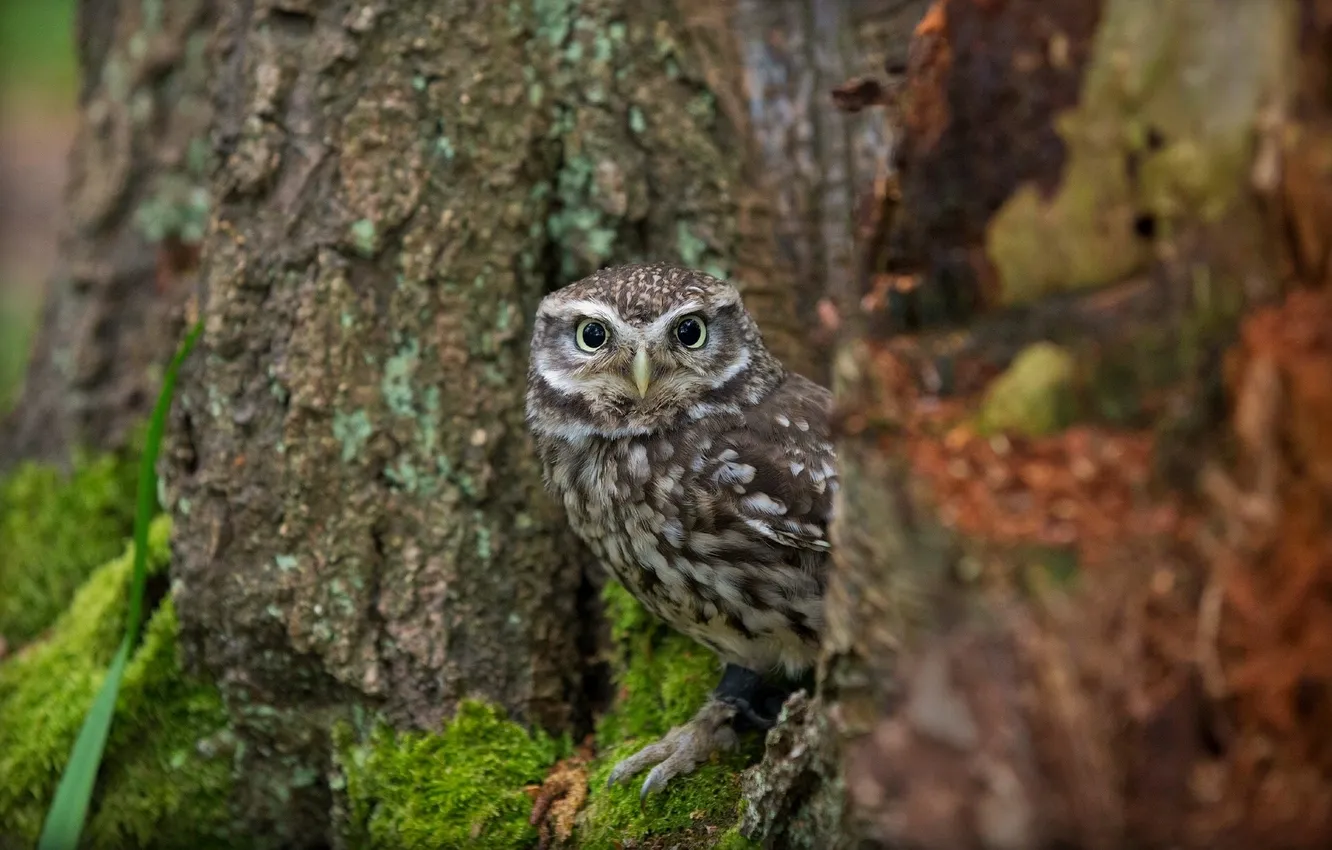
642 372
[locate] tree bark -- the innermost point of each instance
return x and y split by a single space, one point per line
132 217
360 521
1080 588
818 164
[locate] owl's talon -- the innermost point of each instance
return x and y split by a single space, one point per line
681 750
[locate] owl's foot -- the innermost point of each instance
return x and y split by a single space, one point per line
682 749
742 701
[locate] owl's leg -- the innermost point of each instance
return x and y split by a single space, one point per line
757 700
742 700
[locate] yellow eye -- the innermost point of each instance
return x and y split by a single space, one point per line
591 335
691 331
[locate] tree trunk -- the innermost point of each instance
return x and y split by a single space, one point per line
1082 545
132 217
360 521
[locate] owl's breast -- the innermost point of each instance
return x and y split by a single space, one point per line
653 511
622 497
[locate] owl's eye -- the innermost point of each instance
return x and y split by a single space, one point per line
691 331
591 335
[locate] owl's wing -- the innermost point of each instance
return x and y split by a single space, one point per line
778 474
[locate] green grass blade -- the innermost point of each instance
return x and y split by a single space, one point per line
69 808
147 505
64 821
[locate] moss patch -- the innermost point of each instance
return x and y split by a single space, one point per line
467 785
166 777
698 810
462 787
54 531
1034 396
662 678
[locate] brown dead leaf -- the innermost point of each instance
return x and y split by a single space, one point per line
557 802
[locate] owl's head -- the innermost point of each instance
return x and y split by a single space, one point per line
640 348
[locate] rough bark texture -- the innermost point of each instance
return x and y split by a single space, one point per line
816 164
1078 590
133 214
360 522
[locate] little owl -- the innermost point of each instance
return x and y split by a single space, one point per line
700 471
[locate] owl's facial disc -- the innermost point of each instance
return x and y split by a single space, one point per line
625 368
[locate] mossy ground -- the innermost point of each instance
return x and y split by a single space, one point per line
661 679
166 772
55 529
466 785
462 787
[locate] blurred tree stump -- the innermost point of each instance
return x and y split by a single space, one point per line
1084 556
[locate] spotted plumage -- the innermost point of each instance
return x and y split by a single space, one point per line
696 467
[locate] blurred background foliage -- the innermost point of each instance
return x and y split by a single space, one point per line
38 91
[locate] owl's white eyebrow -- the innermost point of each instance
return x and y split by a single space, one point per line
592 310
664 323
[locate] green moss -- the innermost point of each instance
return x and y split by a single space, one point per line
462 787
693 811
1034 396
662 678
1178 109
54 530
733 840
165 779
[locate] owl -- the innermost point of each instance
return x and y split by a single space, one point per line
700 472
